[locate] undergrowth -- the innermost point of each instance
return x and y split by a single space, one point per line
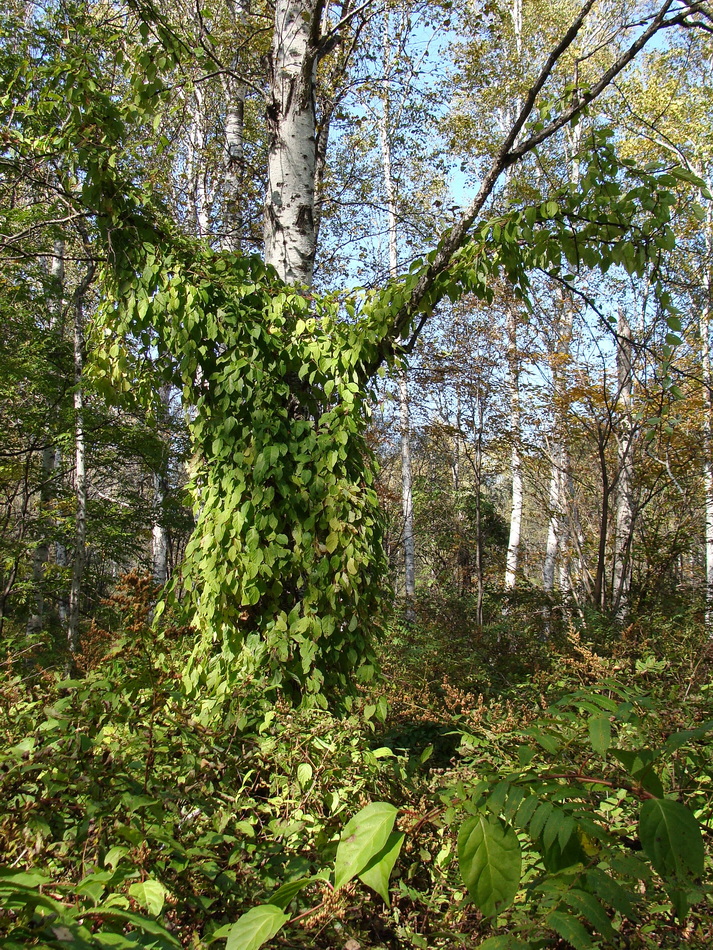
137 814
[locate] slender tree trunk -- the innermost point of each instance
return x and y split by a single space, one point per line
480 579
234 91
513 551
555 509
80 472
560 478
704 327
404 413
621 571
42 551
559 357
599 592
60 557
407 498
159 536
159 541
198 194
462 575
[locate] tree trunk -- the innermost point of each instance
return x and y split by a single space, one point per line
707 371
621 571
234 91
159 536
555 509
404 414
198 195
80 473
289 228
516 461
480 579
599 592
42 551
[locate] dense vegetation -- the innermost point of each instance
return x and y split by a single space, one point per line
356 616
138 814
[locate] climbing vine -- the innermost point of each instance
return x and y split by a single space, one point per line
285 570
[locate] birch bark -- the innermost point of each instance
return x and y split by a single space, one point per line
234 91
42 551
707 427
513 552
289 227
559 477
80 471
621 571
404 407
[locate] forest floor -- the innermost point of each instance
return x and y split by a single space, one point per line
138 812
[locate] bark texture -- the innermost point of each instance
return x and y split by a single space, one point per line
621 573
289 226
513 552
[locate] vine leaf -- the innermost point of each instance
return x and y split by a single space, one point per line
256 927
490 863
377 873
150 894
671 838
362 839
283 895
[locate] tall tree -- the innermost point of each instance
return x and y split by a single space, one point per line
285 555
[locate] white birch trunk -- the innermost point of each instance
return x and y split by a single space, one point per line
198 193
234 91
80 475
707 427
159 536
513 551
289 230
621 572
559 481
553 530
60 557
42 551
404 413
159 541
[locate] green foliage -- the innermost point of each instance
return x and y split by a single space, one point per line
284 565
145 818
490 861
72 920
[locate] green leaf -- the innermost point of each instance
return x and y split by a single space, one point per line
377 873
490 863
556 856
504 942
363 837
283 895
149 894
671 838
610 891
143 923
304 774
589 907
256 927
600 733
571 930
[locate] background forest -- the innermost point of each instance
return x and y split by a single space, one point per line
356 474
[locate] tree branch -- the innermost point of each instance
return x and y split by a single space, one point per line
508 154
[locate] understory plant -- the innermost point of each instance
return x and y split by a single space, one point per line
573 811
